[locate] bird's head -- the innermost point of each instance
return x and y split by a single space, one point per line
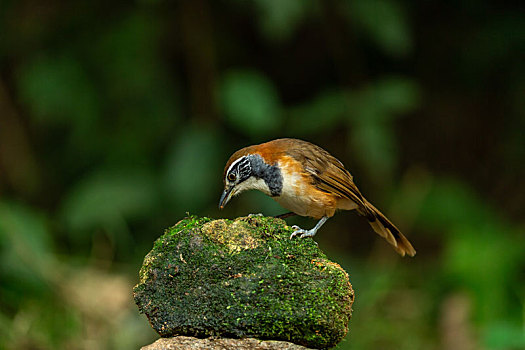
245 171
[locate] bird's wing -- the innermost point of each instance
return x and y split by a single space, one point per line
327 172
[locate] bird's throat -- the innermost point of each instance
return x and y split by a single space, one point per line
271 174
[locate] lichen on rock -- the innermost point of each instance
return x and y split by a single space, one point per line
243 278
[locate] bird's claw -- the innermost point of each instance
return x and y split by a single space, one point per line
252 215
296 231
303 233
308 234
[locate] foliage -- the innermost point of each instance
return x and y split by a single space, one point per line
116 119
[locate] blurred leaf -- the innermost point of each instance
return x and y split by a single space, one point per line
384 21
279 19
382 100
107 199
128 55
450 203
24 233
322 113
250 102
375 147
482 254
504 335
194 169
26 256
394 95
58 90
141 96
475 261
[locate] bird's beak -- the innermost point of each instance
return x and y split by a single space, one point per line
226 196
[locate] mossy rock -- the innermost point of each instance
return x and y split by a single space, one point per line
243 278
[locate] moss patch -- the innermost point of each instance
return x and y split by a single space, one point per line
243 278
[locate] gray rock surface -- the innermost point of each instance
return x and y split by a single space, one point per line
190 343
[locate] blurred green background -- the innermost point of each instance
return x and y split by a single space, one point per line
116 119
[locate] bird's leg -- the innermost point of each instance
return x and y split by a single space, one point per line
252 215
285 215
308 233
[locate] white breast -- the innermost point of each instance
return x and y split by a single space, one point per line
293 192
252 183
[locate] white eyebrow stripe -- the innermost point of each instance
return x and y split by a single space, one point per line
233 164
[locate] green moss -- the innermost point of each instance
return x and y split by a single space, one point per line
243 278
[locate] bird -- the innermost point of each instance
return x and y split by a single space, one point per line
307 180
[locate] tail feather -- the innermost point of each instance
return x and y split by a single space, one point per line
386 229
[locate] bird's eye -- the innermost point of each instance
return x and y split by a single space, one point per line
231 177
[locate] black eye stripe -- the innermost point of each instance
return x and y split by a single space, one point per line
241 170
254 166
244 168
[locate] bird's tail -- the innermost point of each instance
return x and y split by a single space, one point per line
386 229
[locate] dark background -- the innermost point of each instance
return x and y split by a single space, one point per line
116 119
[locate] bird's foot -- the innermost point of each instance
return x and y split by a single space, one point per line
252 215
302 232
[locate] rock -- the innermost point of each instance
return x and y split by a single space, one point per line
191 343
243 278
